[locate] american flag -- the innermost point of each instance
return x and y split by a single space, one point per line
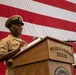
55 18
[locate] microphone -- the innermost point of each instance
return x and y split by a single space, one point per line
35 38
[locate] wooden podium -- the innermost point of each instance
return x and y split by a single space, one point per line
49 56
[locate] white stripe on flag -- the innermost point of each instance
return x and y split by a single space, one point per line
42 31
73 1
43 9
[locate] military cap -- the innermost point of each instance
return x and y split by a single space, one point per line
15 19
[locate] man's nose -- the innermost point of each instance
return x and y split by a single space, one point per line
20 26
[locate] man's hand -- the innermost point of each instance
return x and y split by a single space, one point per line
11 53
21 45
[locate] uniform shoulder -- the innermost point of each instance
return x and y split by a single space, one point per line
4 39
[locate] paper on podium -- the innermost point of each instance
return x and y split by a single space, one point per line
30 44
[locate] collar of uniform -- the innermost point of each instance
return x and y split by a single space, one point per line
14 38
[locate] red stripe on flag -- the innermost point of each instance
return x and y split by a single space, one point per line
27 38
2 68
60 4
7 11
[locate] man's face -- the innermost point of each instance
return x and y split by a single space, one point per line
16 29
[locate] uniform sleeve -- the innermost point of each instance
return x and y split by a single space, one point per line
3 46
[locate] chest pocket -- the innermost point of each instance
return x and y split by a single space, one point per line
14 45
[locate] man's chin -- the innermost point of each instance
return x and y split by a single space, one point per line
19 33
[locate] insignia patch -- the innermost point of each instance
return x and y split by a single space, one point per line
61 71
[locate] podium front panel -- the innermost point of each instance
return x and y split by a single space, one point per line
45 68
36 53
60 68
60 51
